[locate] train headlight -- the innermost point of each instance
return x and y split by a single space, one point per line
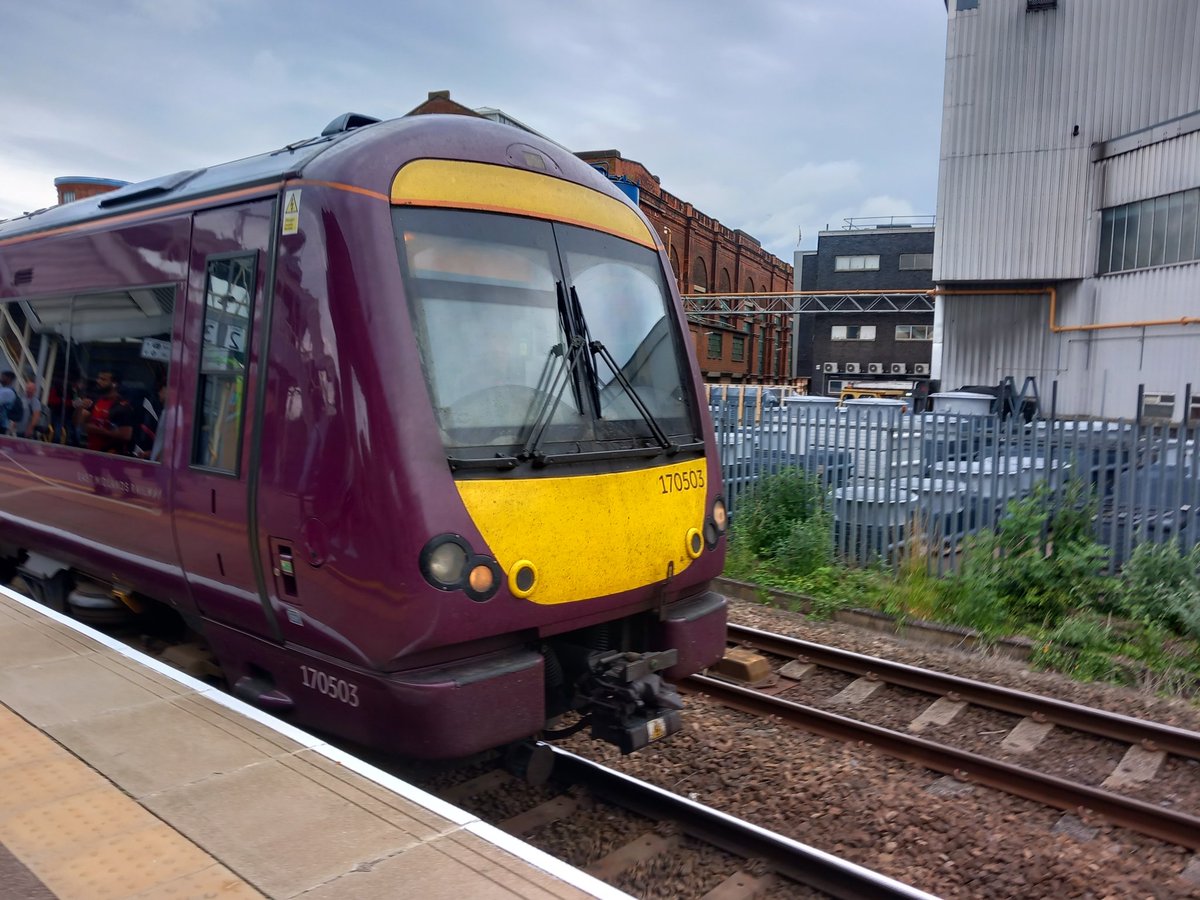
444 561
695 543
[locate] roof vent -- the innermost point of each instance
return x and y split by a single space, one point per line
1039 5
22 276
347 122
146 189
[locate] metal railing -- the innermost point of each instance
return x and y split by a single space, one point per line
900 482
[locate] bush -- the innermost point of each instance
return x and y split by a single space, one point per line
1083 647
808 545
770 510
1162 587
1039 564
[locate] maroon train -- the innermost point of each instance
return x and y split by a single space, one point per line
406 429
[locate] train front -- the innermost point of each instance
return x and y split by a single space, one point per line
567 403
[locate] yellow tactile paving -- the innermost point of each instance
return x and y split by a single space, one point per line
182 797
85 839
214 883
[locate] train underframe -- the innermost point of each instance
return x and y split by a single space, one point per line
613 678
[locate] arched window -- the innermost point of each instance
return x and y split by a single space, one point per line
749 288
699 276
675 262
723 282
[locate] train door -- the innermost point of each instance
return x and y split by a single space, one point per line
228 278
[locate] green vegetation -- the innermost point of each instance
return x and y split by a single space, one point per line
1039 574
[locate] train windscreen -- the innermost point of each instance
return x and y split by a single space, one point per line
532 331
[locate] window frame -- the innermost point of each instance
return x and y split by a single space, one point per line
916 262
1150 233
719 342
868 262
843 333
927 330
202 376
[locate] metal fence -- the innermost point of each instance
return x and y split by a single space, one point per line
898 481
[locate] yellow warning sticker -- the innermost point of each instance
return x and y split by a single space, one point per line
291 212
656 729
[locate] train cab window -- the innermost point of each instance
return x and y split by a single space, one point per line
96 364
228 301
625 302
510 315
486 306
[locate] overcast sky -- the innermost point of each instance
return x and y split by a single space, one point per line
769 115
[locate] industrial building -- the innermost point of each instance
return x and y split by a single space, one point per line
835 348
1068 246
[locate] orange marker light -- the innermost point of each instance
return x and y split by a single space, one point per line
480 579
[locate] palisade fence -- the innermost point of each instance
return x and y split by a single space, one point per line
901 482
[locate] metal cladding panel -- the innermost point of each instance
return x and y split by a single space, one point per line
990 337
1097 372
1016 191
1166 292
1152 171
1017 216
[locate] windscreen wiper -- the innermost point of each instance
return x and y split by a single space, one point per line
571 353
594 380
554 390
655 428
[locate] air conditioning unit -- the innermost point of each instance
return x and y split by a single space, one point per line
831 368
1158 406
899 368
921 368
874 368
852 368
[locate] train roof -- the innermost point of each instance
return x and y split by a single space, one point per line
353 150
355 134
265 168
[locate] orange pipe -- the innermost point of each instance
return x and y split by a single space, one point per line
1055 328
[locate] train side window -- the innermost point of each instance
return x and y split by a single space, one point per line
228 304
64 344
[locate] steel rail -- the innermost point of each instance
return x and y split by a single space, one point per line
1150 735
1137 815
790 858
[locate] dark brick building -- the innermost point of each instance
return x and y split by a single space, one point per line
835 348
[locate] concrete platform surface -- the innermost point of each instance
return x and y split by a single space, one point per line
124 778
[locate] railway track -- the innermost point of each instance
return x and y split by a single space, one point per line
760 862
660 823
1148 742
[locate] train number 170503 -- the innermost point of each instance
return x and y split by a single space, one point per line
689 480
337 688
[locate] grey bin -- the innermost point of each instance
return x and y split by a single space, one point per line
991 483
940 510
962 402
871 519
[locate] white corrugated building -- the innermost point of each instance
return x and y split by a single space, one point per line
1070 171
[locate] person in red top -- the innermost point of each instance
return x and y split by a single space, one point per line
109 425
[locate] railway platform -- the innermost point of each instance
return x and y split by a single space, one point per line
120 777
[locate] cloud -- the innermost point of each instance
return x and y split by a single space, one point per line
767 115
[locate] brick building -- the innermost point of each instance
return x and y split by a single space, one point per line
77 187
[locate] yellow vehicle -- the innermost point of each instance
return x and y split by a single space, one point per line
869 390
